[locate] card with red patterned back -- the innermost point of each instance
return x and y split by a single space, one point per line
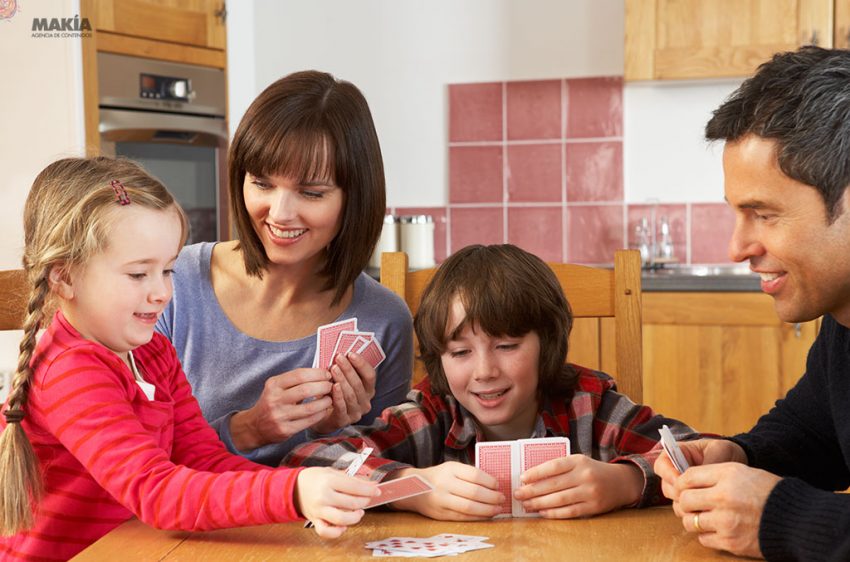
538 451
399 489
346 340
372 352
495 458
326 337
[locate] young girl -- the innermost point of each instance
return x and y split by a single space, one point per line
493 328
100 423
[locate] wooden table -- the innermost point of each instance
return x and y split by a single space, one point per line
648 534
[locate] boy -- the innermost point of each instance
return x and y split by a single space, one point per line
493 329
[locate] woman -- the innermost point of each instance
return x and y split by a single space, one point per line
307 196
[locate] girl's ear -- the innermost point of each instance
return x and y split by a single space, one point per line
60 282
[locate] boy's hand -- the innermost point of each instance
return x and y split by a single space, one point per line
577 486
331 500
461 493
353 388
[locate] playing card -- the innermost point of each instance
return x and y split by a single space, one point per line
399 489
496 459
668 442
326 337
507 460
446 544
372 353
358 343
538 451
534 452
347 339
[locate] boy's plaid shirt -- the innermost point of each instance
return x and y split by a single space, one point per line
431 429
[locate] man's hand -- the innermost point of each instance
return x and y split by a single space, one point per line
729 498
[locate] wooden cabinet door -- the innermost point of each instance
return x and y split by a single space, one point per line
841 39
189 22
718 361
675 39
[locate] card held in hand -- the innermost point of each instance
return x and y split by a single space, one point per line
399 489
507 460
668 442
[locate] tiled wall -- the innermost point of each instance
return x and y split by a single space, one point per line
540 164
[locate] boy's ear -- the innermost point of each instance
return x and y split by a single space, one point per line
60 282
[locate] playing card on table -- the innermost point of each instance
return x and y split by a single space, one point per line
438 545
668 442
399 489
326 337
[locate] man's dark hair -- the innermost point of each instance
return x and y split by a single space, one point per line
801 101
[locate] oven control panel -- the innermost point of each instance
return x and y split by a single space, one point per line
166 88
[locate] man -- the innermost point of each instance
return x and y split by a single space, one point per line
770 492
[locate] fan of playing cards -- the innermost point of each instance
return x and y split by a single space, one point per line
341 338
446 544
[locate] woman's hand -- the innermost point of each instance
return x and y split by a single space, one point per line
461 493
577 486
281 410
353 390
331 500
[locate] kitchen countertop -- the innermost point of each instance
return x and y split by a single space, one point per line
700 278
692 278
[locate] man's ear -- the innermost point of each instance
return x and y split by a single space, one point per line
60 282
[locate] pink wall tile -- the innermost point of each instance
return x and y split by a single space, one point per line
595 107
676 214
712 225
475 112
440 224
534 110
534 172
595 171
475 174
475 225
538 230
594 232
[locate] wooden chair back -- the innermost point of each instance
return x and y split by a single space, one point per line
606 307
13 299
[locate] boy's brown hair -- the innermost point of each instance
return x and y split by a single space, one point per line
504 291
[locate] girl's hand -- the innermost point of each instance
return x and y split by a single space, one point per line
577 486
353 390
461 493
281 412
332 500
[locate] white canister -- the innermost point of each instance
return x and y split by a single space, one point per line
417 240
388 242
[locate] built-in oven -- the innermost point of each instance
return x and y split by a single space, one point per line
170 118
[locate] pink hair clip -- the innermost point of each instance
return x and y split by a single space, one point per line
120 192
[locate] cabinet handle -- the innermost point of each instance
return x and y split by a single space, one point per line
221 14
813 39
798 330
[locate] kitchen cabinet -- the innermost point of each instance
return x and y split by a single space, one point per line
183 31
678 39
719 360
190 22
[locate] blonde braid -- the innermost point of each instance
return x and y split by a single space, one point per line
20 478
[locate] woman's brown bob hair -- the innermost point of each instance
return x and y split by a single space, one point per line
309 126
504 291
